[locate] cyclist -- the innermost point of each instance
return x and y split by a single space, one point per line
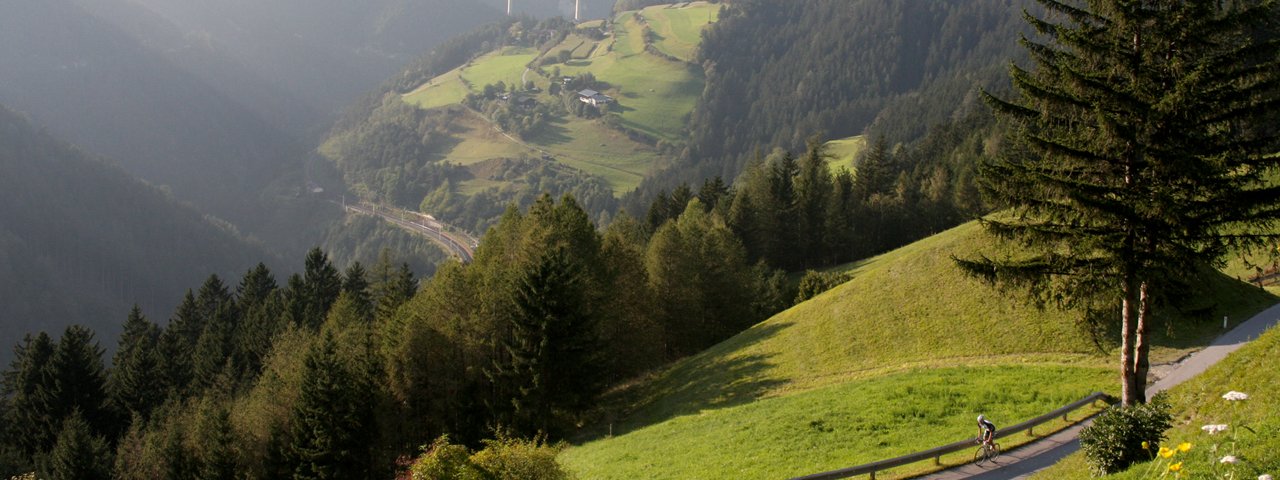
987 430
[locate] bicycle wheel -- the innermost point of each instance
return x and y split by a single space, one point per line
980 455
995 451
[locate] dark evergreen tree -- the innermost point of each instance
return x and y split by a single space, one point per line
875 170
332 422
356 285
713 191
255 287
1142 145
322 285
813 185
79 454
79 380
137 383
29 424
551 360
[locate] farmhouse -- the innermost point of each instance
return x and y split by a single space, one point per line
594 98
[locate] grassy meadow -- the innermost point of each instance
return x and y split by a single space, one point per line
901 314
839 426
845 151
679 29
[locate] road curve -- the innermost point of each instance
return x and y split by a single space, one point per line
461 246
1024 461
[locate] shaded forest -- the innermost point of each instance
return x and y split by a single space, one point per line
74 227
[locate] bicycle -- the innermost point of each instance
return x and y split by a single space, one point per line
986 451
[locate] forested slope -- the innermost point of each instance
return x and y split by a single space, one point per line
81 241
837 68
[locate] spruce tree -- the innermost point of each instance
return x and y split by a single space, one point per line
322 285
79 379
137 384
1141 147
356 285
256 287
79 453
551 357
332 422
29 424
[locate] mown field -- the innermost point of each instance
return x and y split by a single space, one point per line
902 313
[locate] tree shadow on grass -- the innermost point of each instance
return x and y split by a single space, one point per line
552 132
708 381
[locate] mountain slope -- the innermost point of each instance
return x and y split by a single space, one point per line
81 241
838 69
95 86
901 315
325 51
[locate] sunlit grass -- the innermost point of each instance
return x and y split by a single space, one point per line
838 426
446 89
679 30
905 310
844 151
505 66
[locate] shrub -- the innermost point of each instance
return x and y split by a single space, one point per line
1124 435
814 283
501 459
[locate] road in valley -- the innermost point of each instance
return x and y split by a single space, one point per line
458 244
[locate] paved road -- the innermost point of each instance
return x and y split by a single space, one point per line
1021 463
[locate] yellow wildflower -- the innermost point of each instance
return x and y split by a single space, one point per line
1184 446
1166 452
1146 446
1175 467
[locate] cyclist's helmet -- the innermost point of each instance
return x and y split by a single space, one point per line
982 417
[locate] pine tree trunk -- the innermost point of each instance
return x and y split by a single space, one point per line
1127 333
1141 363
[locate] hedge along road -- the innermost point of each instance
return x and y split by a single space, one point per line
1035 456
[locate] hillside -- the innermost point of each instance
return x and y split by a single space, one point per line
1254 370
92 84
81 241
902 314
838 69
324 52
509 96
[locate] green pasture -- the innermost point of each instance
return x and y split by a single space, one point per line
653 94
679 29
844 151
504 66
446 89
906 311
593 148
838 426
1253 433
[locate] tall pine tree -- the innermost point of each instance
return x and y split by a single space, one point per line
332 422
1140 148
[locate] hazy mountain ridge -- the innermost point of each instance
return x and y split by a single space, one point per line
93 85
83 241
